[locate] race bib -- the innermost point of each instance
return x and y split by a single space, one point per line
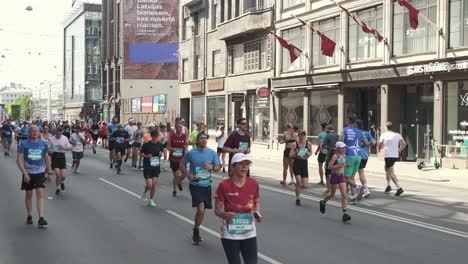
7 133
241 224
35 154
154 161
131 142
178 152
55 148
78 142
203 176
120 140
302 152
95 132
243 145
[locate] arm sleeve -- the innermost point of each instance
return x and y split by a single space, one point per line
228 142
257 191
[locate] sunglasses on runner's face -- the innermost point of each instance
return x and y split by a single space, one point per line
243 123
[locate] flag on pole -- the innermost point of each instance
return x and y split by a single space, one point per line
413 13
363 25
327 46
294 52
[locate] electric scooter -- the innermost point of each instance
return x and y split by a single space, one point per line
436 165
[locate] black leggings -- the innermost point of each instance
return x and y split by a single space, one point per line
246 247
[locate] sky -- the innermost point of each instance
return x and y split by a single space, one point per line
31 41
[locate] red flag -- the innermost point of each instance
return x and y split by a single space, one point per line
327 46
363 25
413 13
294 52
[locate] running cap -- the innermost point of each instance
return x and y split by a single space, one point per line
340 144
239 157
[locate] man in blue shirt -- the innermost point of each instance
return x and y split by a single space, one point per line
202 162
7 136
364 157
33 160
354 139
111 128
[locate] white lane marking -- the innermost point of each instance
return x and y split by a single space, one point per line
214 233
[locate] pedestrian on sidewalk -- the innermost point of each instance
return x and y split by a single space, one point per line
392 143
328 144
289 140
322 153
238 142
300 153
33 161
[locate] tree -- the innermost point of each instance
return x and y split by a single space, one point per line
23 105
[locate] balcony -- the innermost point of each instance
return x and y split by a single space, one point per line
255 20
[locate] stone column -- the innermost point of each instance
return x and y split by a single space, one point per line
306 111
437 132
341 111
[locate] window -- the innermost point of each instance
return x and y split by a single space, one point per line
215 114
185 70
185 28
198 109
456 113
196 67
291 110
216 64
422 39
330 28
221 18
458 23
294 36
229 11
363 45
196 24
214 9
323 108
246 57
252 56
290 3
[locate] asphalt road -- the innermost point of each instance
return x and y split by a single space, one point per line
100 219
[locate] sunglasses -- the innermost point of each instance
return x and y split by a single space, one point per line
243 123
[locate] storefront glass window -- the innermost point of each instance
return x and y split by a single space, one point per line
294 36
458 23
456 118
259 117
323 108
363 45
330 28
215 113
291 105
198 107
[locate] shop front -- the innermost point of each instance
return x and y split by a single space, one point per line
215 116
258 114
323 108
291 110
455 132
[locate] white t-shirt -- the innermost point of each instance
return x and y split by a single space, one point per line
222 139
391 142
54 143
78 147
131 130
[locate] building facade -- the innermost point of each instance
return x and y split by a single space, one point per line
139 66
415 78
81 59
10 93
226 61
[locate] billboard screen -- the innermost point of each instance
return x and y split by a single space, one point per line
136 105
147 104
151 39
159 104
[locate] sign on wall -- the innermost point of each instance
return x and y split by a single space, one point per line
147 104
136 105
159 104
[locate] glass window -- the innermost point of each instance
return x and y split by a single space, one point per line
185 70
458 23
411 41
215 113
330 28
323 108
290 3
456 118
363 45
197 67
258 116
291 110
198 109
252 55
196 24
216 64
214 9
294 36
185 29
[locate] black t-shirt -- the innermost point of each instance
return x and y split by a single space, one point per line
150 148
120 137
94 129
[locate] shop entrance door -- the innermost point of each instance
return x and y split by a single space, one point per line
417 115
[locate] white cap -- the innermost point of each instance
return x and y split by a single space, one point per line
239 157
340 144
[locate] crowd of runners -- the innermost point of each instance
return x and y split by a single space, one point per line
153 148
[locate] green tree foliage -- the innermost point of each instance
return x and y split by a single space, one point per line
20 108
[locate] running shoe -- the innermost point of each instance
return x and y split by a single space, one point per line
111 165
326 193
196 236
399 192
388 189
322 206
180 187
125 160
144 196
298 202
42 223
151 203
346 217
360 191
57 192
352 200
62 186
283 183
76 171
29 220
118 170
321 182
174 194
94 151
366 194
291 182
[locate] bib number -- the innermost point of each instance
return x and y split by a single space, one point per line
302 152
120 140
34 154
177 152
55 148
241 224
131 142
7 133
243 145
154 161
203 176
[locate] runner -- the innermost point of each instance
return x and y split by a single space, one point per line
300 154
103 134
120 137
24 132
151 152
130 128
202 162
94 134
33 161
337 178
290 140
238 142
392 143
45 133
354 139
364 158
66 129
58 144
163 135
221 139
177 147
323 152
328 144
111 128
138 137
78 141
237 202
7 136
